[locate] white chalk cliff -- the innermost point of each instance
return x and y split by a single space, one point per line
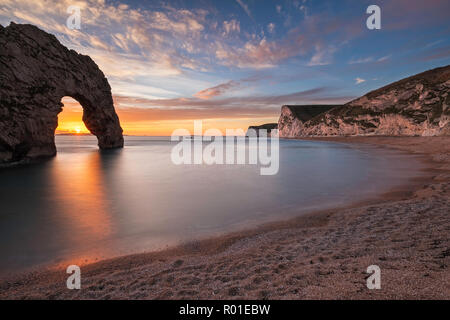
418 105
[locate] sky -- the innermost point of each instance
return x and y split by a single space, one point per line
234 63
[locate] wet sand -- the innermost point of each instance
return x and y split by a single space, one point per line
322 255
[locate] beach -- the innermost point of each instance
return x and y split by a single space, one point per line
321 255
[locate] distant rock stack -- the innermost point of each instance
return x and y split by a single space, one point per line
415 106
255 130
36 73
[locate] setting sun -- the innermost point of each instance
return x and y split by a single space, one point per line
70 120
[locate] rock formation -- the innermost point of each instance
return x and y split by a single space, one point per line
293 117
418 105
268 127
36 73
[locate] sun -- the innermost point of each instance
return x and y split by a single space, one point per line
77 130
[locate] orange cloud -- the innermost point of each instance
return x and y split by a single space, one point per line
217 90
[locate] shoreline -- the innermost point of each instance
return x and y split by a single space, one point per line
237 265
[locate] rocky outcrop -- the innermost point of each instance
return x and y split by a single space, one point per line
36 73
293 117
255 130
418 105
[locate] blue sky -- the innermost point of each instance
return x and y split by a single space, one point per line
236 62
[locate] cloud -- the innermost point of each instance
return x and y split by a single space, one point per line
217 90
385 58
361 60
231 26
271 27
323 56
245 8
432 44
370 60
409 14
359 81
260 53
434 54
320 36
256 55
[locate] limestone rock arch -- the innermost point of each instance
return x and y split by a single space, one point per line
36 72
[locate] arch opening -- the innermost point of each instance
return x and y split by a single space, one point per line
70 119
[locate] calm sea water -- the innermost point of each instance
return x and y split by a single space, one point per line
85 205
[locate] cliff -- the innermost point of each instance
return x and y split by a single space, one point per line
418 105
293 117
36 73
